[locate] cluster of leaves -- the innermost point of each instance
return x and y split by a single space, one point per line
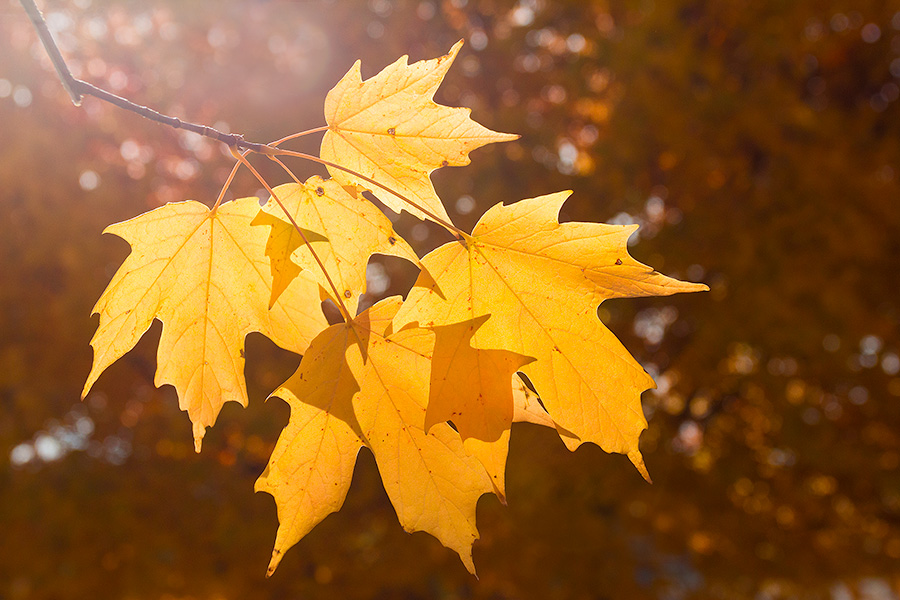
431 384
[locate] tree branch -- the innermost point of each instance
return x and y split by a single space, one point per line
77 89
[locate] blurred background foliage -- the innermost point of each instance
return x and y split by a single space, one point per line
756 142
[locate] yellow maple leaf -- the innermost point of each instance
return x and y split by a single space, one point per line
362 383
389 129
312 464
471 388
351 229
203 274
541 283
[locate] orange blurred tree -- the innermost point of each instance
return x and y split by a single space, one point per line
756 141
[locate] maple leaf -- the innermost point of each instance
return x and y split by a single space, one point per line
351 229
541 283
471 388
204 274
389 129
360 383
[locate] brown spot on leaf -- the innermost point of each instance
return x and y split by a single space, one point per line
347 293
320 191
618 261
444 163
392 240
392 131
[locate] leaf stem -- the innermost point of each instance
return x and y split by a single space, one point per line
299 134
337 295
457 232
237 164
288 171
234 170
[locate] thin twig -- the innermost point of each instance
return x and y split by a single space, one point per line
234 140
76 88
40 25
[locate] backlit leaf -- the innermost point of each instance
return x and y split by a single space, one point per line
389 129
541 283
204 274
361 383
350 229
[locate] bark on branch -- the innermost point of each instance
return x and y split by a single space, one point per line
77 89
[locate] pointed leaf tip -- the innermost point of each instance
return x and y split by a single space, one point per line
277 555
199 432
638 461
